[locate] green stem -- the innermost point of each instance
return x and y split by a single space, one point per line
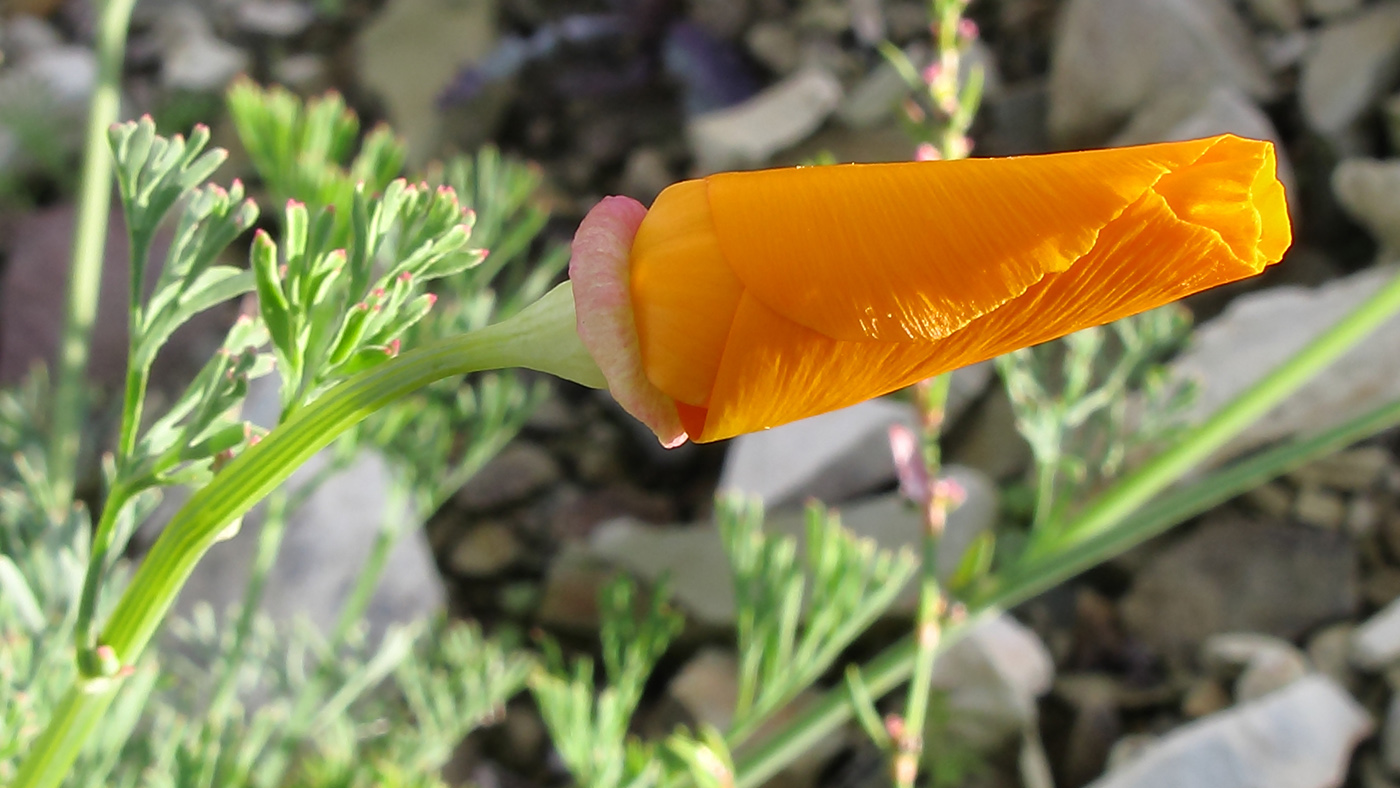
137 377
1104 529
1139 487
1047 473
89 238
928 625
893 666
541 337
138 369
274 527
1026 580
367 580
85 629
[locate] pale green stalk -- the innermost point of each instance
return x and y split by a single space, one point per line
89 238
541 337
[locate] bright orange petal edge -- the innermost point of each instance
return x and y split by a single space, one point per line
764 297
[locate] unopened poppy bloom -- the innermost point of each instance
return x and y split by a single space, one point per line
742 301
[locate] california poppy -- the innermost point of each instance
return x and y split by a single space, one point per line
742 301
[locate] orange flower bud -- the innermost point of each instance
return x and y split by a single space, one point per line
743 301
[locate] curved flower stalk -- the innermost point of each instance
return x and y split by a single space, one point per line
743 301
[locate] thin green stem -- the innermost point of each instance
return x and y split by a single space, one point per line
367 580
85 628
1028 579
138 369
894 665
274 527
1140 486
541 337
89 238
137 378
1047 474
932 396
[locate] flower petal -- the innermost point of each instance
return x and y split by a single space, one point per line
684 294
914 251
602 298
776 370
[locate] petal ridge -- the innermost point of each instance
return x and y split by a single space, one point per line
848 214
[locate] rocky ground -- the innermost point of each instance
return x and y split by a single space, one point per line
1260 641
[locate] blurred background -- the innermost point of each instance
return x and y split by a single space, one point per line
600 97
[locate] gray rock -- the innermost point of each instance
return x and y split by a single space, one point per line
830 457
1298 737
1274 499
1206 696
569 599
749 133
412 49
45 83
1369 190
707 688
837 455
1260 664
1233 574
1017 120
304 73
33 291
1373 773
485 550
775 45
991 443
323 554
1190 112
722 18
1329 9
279 18
1260 330
67 72
1363 517
1330 653
1098 722
1375 645
1268 672
1321 508
26 34
1111 57
868 21
990 679
825 16
192 57
1281 14
1352 63
645 174
1390 735
518 472
1283 51
694 559
1353 470
1226 654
